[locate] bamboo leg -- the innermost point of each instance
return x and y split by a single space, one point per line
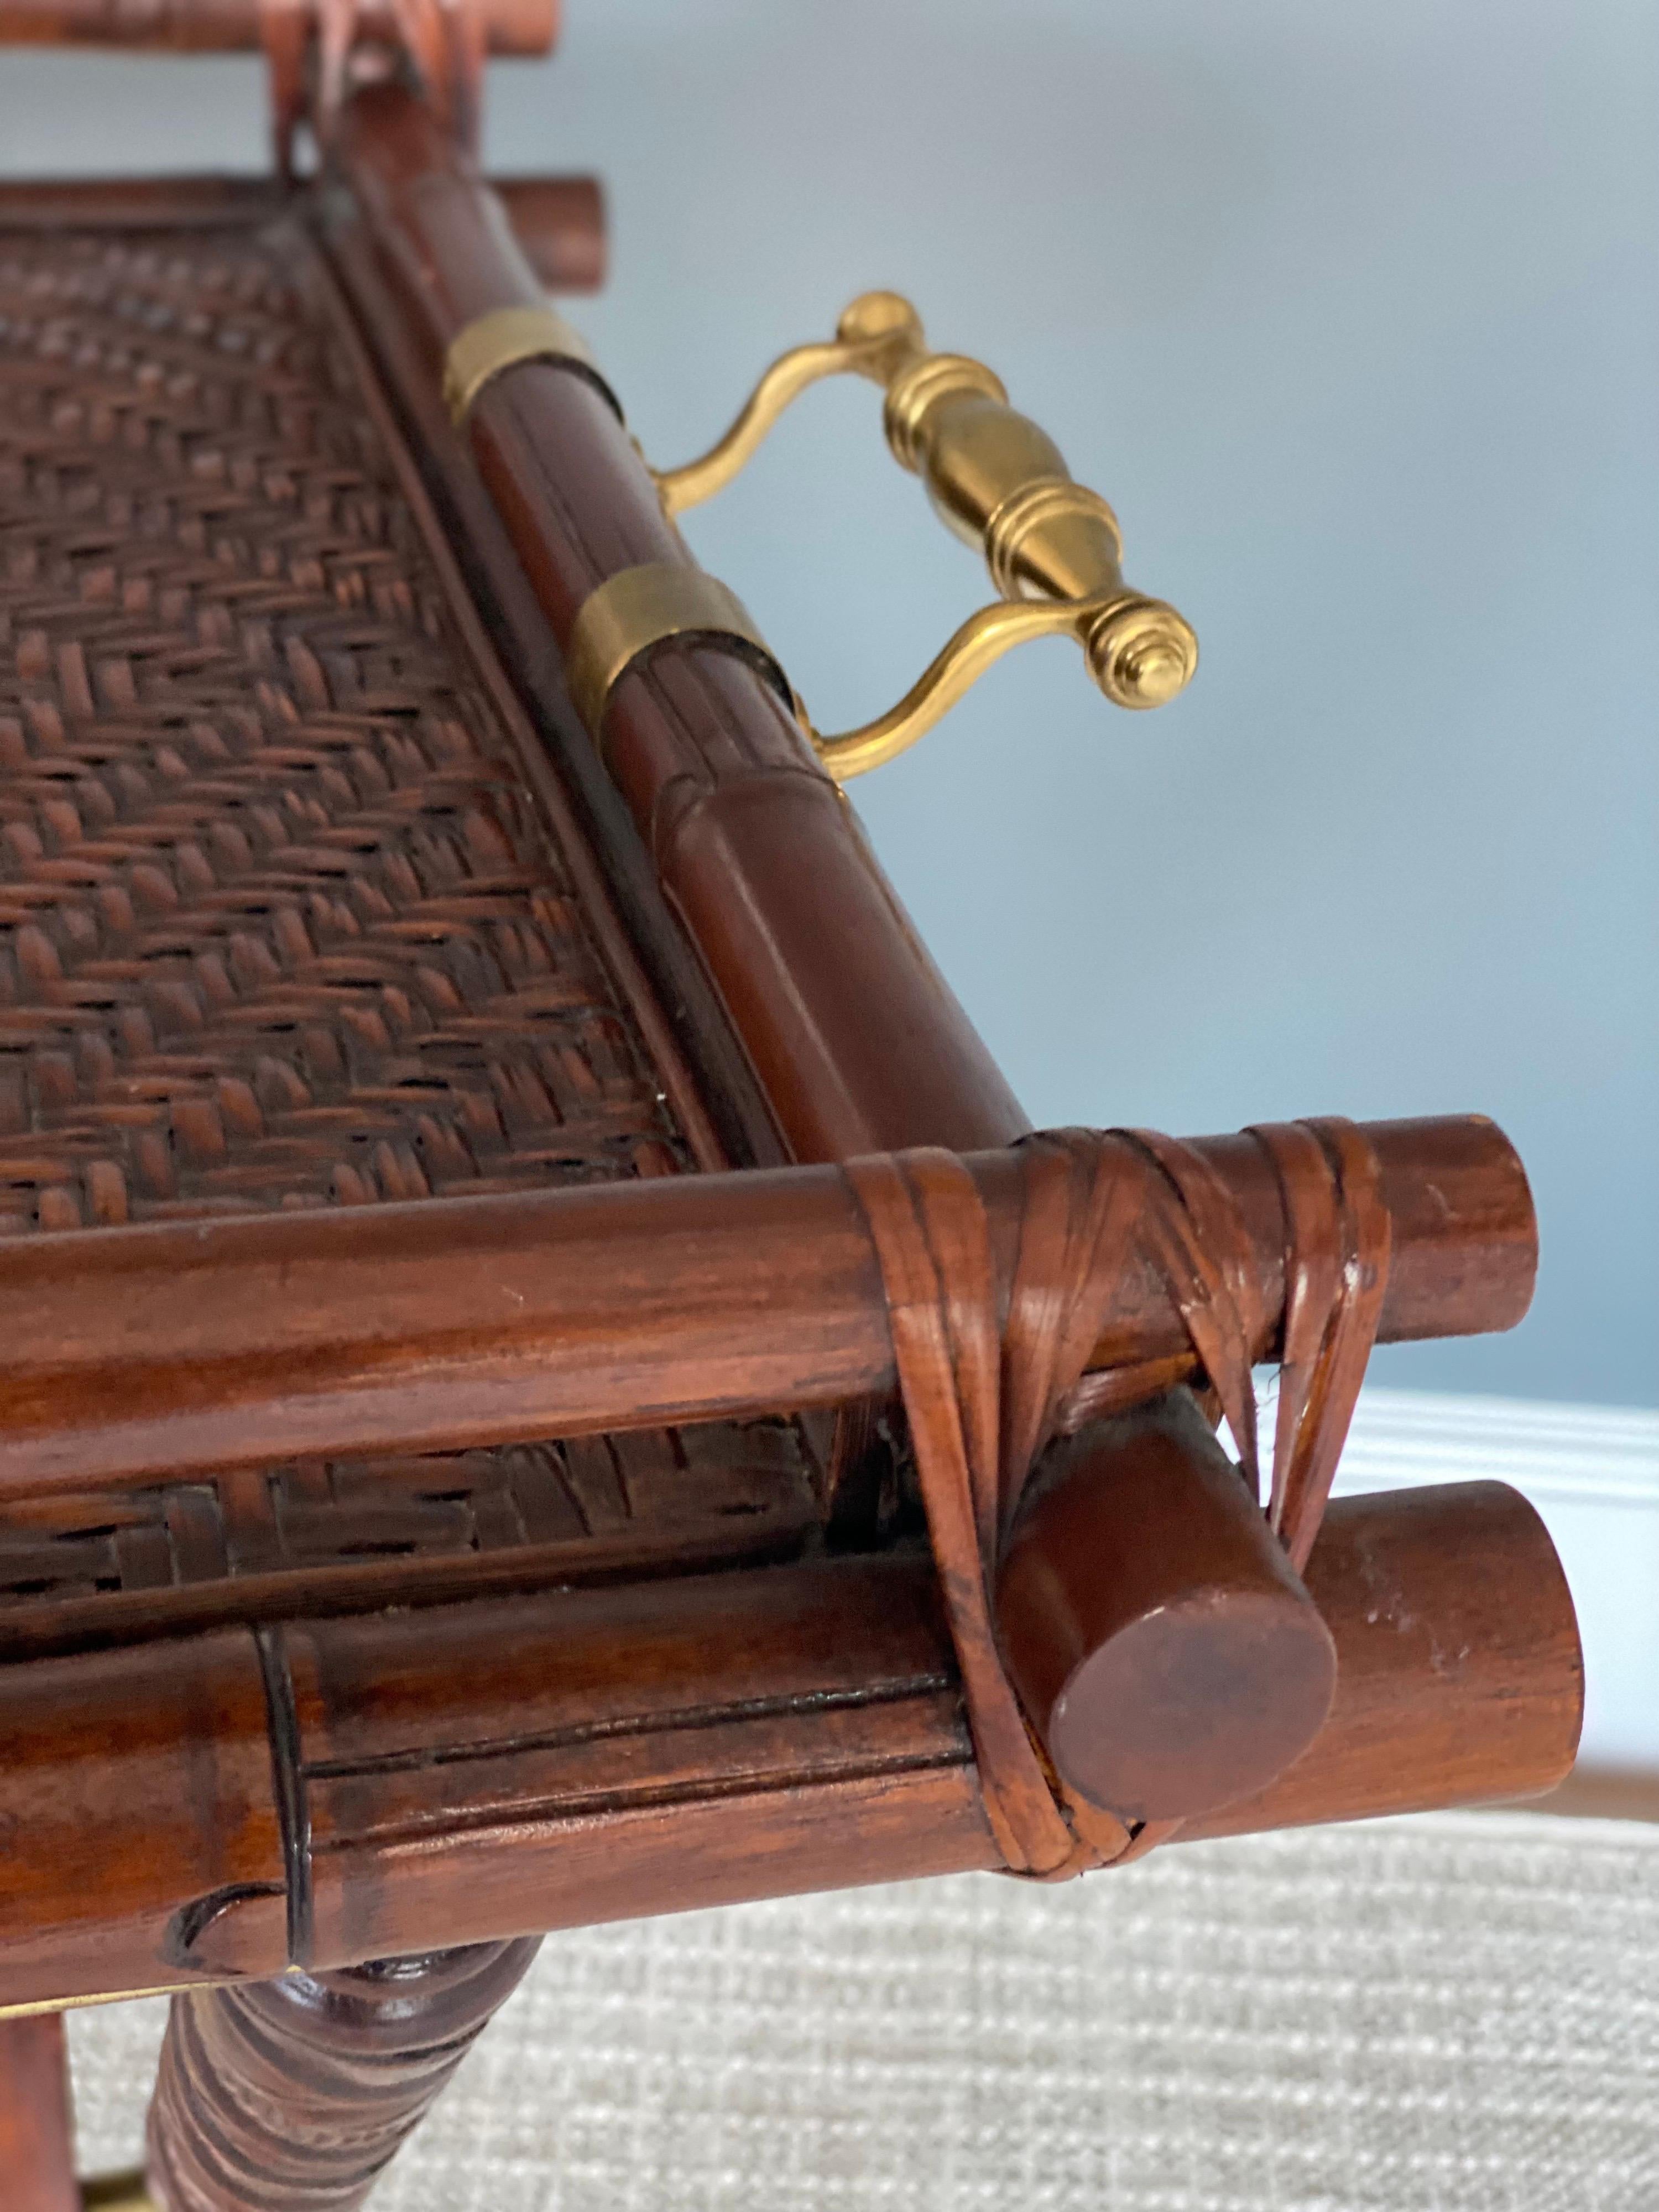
292 2095
37 2146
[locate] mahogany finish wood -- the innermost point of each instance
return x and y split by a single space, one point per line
1163 1646
231 1342
57 205
559 222
490 1020
297 2093
321 1792
511 27
469 546
142 1780
536 473
858 1042
330 1790
37 2139
1478 1616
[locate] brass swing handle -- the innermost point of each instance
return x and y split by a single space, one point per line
1052 547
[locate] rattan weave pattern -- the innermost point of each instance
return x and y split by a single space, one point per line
364 1533
278 923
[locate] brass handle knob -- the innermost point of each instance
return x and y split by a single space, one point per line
1052 547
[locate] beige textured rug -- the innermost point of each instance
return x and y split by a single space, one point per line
1458 2013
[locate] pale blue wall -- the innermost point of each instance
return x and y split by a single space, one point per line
1351 312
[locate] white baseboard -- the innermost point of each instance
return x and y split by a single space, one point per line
1593 1473
1579 1454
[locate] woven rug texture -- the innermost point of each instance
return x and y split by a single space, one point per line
1451 2014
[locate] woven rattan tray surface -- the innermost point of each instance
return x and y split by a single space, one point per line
281 922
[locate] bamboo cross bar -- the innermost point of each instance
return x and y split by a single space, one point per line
129 1354
319 1792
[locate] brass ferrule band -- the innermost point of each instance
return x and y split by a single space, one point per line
503 338
636 609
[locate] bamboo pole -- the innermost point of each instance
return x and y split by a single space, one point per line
129 1354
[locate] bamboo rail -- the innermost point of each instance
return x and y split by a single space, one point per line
131 1353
